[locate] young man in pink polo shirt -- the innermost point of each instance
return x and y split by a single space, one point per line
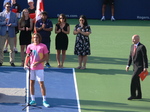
37 53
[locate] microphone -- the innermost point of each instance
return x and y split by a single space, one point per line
27 67
30 53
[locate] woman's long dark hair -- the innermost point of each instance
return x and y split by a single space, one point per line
85 20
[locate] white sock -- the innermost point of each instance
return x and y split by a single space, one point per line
44 98
32 97
5 48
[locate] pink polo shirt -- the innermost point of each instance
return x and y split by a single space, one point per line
37 53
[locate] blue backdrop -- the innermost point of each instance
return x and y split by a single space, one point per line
124 9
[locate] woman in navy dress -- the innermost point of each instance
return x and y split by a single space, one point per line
82 44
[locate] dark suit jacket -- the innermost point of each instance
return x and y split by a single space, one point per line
139 60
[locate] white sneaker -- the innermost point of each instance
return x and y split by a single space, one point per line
103 18
45 104
15 50
112 18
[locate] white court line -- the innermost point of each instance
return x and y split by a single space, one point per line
76 88
27 109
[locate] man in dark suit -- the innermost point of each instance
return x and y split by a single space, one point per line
138 56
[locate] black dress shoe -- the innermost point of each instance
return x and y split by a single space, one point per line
138 97
0 64
131 98
12 64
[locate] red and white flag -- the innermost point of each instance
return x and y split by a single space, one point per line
39 9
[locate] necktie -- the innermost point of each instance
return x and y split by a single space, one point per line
134 50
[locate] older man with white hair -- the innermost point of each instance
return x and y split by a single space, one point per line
138 57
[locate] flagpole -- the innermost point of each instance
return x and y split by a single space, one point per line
39 9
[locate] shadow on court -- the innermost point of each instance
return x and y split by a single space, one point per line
94 60
113 106
73 58
105 71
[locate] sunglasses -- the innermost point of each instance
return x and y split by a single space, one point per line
61 18
8 6
81 20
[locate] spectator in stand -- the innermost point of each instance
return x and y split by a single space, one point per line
111 3
62 28
44 27
16 9
31 9
8 22
25 26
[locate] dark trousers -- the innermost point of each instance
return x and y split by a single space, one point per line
135 87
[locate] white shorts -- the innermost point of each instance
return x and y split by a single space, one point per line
36 74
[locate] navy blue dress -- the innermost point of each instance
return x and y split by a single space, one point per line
82 43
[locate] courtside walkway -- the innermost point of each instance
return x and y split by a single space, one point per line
62 93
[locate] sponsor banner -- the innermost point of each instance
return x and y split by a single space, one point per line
124 9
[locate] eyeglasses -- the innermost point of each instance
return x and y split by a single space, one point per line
61 18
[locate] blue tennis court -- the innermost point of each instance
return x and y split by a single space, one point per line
61 89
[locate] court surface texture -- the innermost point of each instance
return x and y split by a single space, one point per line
61 89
